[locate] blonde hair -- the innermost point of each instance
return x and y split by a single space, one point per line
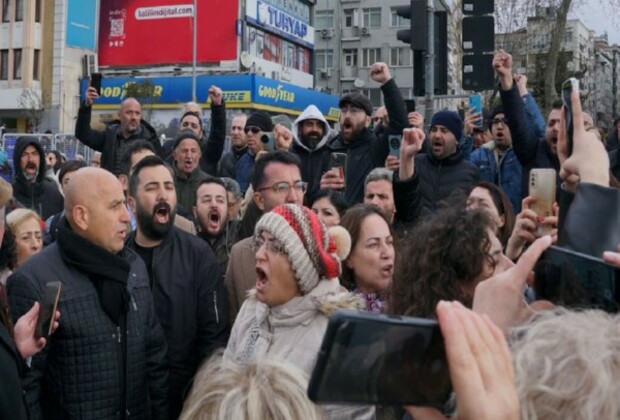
567 366
18 216
266 390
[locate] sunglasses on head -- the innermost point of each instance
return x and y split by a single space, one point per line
253 129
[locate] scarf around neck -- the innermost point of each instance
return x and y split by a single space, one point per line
108 272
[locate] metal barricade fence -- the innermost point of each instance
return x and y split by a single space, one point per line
71 147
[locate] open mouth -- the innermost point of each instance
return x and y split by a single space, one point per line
261 279
214 219
387 270
162 213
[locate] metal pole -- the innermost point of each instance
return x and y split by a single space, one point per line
194 42
430 60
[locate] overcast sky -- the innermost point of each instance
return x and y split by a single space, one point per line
597 15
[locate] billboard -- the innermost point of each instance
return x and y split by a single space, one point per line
285 23
150 32
82 23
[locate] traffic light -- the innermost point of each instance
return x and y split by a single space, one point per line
416 35
478 40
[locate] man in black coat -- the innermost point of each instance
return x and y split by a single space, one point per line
31 188
364 150
238 147
444 169
115 139
188 287
107 360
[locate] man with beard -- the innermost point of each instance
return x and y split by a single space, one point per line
211 214
238 147
187 172
115 139
364 150
443 169
310 136
107 360
31 188
497 162
531 151
186 281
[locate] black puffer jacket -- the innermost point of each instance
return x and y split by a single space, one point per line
228 163
439 178
80 374
106 142
43 195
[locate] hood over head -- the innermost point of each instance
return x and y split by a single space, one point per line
311 113
20 145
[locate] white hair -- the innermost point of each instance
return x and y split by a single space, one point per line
266 389
567 366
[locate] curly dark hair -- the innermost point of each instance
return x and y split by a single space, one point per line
352 222
439 260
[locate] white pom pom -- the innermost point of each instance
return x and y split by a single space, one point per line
342 239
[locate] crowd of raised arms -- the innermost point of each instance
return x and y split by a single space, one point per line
194 282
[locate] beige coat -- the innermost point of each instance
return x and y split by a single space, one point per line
292 332
240 276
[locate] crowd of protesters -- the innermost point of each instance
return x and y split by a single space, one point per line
198 282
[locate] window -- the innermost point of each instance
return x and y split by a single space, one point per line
4 64
370 56
19 10
348 17
5 10
324 59
35 64
396 20
371 18
324 19
350 57
17 64
37 11
400 56
374 95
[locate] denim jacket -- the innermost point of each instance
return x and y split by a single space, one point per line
507 177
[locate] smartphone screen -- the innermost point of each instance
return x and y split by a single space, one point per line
339 161
47 308
475 101
95 81
567 90
383 360
395 140
576 280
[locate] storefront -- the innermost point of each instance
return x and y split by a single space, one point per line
241 92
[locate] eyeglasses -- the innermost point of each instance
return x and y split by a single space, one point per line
253 129
284 187
500 120
272 245
351 110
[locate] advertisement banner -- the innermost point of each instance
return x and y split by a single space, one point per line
240 91
150 32
280 22
82 24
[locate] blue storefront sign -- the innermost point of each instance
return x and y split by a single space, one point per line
240 91
82 23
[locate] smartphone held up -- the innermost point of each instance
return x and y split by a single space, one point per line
568 87
48 306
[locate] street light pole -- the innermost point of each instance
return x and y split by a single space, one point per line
194 41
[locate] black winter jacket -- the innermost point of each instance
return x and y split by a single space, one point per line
368 152
531 151
439 178
191 303
11 366
80 374
228 163
614 162
213 147
105 141
43 195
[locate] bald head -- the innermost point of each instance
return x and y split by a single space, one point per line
130 115
95 208
192 107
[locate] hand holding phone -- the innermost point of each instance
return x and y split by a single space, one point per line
95 82
394 140
268 142
339 163
542 187
475 105
48 306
